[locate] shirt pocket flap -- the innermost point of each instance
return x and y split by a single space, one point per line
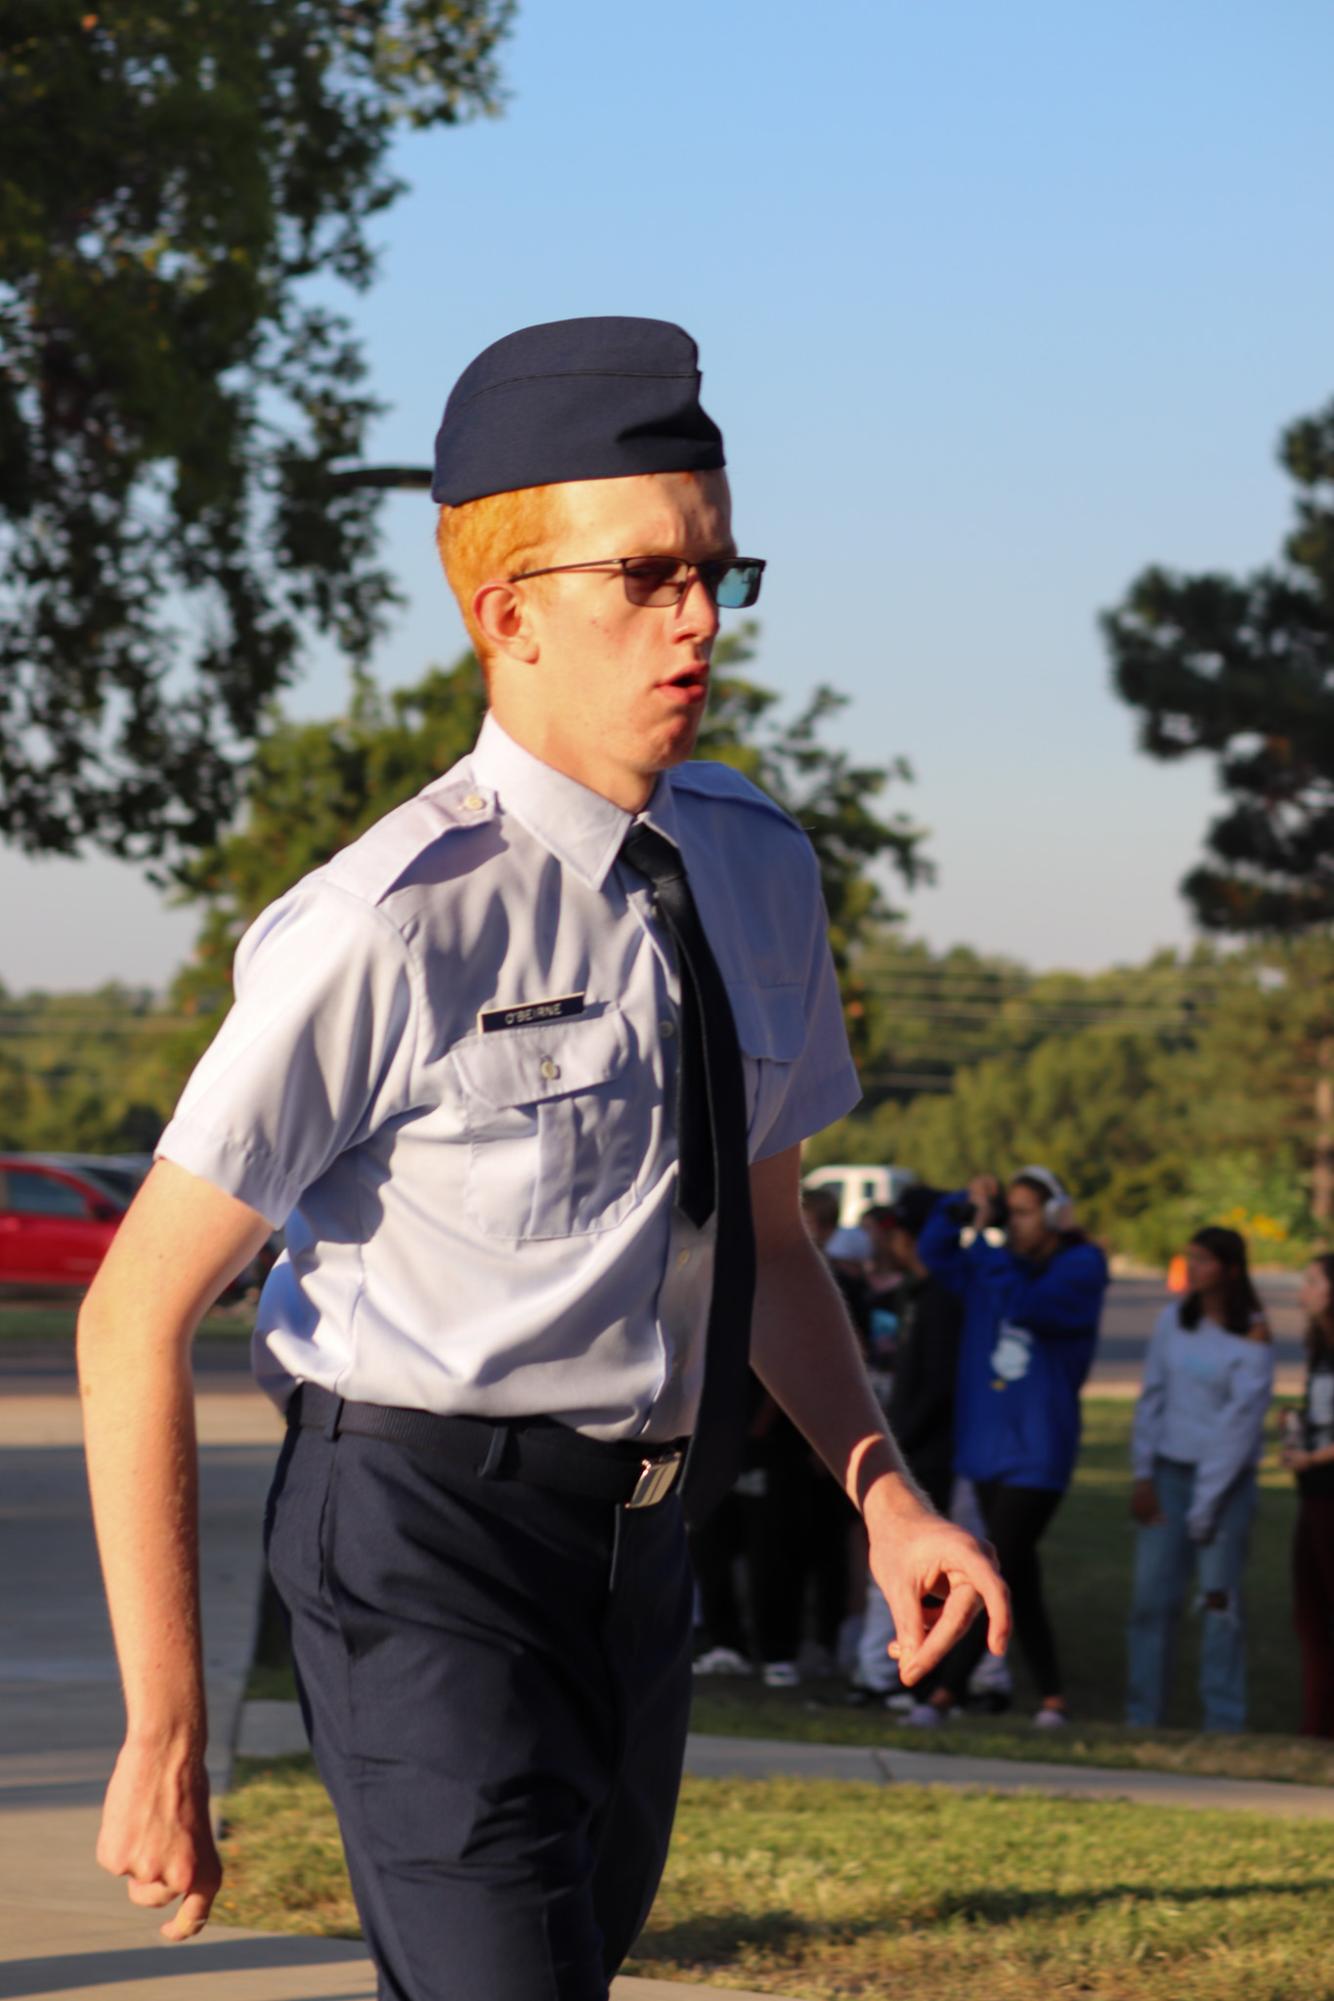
770 1021
527 1066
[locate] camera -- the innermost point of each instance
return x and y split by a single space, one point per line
960 1211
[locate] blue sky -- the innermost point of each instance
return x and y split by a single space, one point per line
995 306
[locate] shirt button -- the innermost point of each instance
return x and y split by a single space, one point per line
666 1030
550 1070
682 1259
473 803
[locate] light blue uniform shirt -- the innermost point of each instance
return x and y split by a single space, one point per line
450 1072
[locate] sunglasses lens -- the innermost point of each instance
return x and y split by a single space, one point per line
653 580
738 585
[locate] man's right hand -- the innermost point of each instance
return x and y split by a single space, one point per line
156 1831
983 1190
1144 1504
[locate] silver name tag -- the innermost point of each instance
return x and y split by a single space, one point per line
492 1019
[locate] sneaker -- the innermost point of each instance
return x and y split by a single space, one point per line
901 1703
927 1716
991 1677
1050 1719
721 1660
781 1674
858 1696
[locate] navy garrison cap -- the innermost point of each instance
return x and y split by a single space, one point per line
575 399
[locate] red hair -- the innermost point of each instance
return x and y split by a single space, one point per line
491 538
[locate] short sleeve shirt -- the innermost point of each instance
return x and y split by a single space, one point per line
450 1073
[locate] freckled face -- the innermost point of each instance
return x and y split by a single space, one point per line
619 690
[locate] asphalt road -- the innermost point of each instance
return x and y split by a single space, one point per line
1133 1304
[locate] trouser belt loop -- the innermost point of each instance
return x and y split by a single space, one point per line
335 1415
617 1517
495 1453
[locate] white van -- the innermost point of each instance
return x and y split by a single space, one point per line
858 1186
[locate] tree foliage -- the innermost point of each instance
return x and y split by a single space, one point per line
1165 1096
94 1073
176 398
1242 669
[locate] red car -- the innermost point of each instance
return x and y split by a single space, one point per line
55 1224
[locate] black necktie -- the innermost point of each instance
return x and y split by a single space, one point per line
714 1169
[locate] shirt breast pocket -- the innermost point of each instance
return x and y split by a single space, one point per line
557 1123
771 1029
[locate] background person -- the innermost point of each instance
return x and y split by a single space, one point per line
1031 1312
921 1400
723 1555
1198 1432
1311 1458
801 1546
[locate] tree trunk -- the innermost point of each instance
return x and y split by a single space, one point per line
1322 1172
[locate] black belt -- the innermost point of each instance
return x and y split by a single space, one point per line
537 1451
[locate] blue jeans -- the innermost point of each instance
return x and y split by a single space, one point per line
1164 1559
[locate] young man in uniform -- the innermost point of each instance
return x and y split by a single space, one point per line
525 1072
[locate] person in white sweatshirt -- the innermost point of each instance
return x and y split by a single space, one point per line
1198 1433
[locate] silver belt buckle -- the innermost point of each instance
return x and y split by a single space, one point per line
656 1479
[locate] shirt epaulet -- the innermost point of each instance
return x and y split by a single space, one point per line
721 781
372 866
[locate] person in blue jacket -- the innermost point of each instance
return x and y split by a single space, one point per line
1031 1312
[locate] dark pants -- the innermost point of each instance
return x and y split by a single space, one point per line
1015 1519
801 1541
496 1683
1313 1610
724 1538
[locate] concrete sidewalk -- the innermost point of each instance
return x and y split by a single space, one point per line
754 1758
67 1932
273 1730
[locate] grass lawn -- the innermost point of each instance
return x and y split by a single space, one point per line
821 1890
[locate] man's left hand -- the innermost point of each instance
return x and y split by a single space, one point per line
936 1579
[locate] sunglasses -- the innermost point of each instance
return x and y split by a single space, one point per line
733 582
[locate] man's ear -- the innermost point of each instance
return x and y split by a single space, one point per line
502 613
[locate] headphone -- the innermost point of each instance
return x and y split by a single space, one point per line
1058 1209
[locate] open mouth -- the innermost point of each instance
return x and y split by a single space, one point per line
691 684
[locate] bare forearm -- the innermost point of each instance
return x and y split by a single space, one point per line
139 1431
805 1352
180 1243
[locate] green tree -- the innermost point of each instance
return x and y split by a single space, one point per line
179 405
833 798
1242 670
96 1072
1166 1095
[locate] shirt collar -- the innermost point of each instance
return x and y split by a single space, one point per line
580 828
